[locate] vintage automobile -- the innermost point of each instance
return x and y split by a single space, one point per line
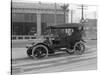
63 37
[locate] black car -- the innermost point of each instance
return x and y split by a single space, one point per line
66 37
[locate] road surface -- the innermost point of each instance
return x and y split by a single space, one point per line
60 62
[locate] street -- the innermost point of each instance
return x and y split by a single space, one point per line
60 62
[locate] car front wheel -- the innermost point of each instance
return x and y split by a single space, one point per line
39 51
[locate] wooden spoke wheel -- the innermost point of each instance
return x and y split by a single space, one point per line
79 48
39 51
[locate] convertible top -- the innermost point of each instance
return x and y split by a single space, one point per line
63 26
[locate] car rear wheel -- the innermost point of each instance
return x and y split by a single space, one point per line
39 51
79 48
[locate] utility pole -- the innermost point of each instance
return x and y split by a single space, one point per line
55 15
82 13
82 17
65 9
71 16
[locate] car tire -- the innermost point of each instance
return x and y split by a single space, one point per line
39 50
79 48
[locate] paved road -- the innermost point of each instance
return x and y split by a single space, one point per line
55 63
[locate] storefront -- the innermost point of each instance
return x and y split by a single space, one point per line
29 19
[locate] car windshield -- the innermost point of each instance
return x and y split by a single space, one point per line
62 32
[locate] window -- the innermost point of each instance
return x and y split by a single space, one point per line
24 24
69 31
23 28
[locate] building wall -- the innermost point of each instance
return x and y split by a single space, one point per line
50 18
31 17
91 28
24 18
23 22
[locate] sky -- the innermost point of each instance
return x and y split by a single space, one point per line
90 12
